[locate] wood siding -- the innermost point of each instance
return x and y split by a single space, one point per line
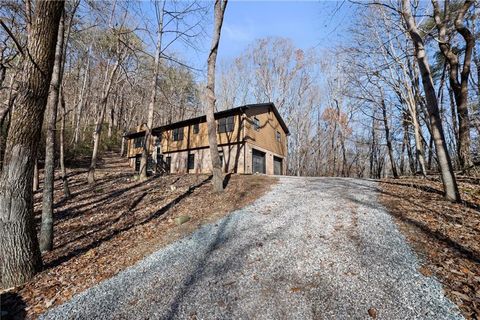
237 145
265 136
193 140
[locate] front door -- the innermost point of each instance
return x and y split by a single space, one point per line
258 161
277 166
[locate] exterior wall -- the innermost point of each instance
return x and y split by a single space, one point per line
198 140
236 145
132 151
265 136
269 169
233 160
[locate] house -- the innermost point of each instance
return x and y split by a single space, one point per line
251 139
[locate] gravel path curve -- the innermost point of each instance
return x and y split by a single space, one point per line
312 248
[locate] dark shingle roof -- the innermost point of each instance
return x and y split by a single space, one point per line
218 115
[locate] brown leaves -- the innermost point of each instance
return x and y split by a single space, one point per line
372 312
105 229
445 234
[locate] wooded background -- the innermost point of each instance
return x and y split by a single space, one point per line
359 110
400 99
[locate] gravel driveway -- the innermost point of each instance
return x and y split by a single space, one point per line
312 248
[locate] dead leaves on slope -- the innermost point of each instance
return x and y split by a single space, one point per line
445 235
106 228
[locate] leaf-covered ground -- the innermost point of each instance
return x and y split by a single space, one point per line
445 235
103 229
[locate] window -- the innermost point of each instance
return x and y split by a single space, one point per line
256 124
196 128
226 124
191 161
139 142
178 134
278 136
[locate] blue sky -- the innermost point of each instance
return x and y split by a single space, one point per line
309 24
320 24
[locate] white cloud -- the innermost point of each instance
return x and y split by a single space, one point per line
242 33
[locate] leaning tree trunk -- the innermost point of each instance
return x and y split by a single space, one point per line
46 229
212 129
19 251
448 178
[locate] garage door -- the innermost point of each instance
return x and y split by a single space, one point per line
258 161
277 166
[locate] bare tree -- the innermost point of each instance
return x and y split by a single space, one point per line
19 249
219 11
46 229
446 169
459 86
159 10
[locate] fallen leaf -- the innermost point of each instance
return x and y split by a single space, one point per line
372 312
425 271
461 295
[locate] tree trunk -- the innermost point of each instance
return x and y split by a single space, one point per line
19 249
46 229
459 87
414 99
66 189
389 140
96 143
405 144
153 96
446 169
99 123
419 148
122 149
81 103
373 144
212 128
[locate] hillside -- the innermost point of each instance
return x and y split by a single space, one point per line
445 235
108 227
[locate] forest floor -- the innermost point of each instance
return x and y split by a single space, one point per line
108 227
445 235
311 248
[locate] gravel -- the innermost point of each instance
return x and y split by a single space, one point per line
312 248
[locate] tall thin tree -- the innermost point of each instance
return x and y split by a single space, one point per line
446 169
46 229
160 9
217 180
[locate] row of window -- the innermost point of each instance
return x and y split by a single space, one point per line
224 125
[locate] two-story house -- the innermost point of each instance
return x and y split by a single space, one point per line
251 138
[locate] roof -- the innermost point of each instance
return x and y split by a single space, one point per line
218 115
